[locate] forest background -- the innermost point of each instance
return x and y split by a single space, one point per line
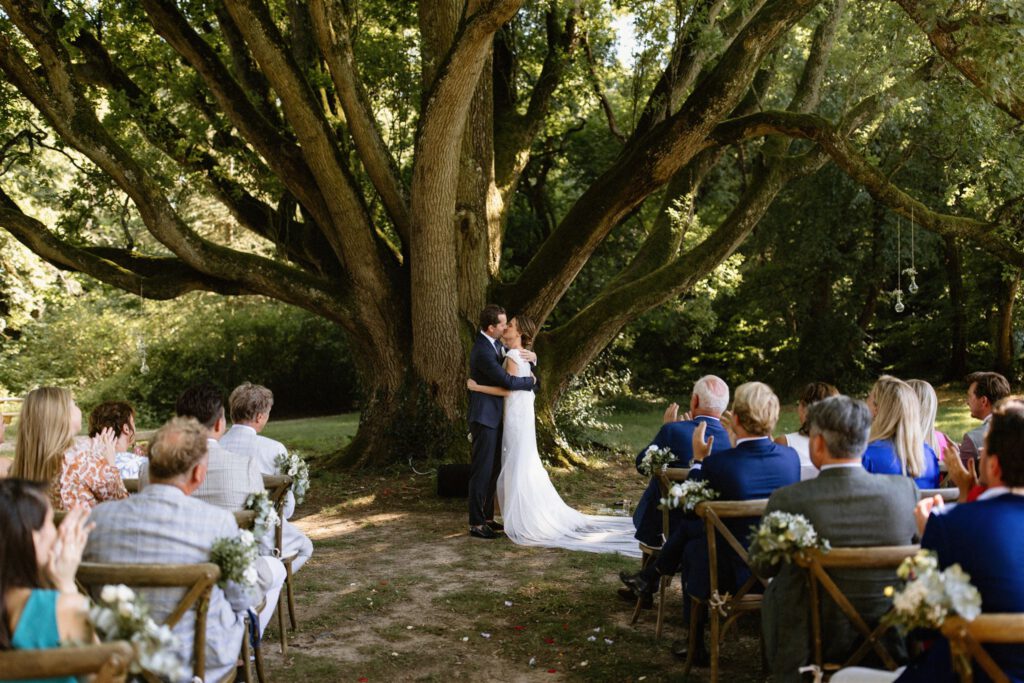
777 254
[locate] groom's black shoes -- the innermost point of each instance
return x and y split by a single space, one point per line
494 526
635 582
482 531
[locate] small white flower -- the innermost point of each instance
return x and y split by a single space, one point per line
108 594
125 609
465 639
608 641
124 593
250 576
591 638
485 635
246 537
508 603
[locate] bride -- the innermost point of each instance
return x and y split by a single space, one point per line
532 511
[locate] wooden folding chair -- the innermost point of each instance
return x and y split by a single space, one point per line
196 579
966 639
246 519
107 663
650 554
277 487
723 609
949 495
818 565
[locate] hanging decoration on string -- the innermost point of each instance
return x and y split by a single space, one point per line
911 272
898 292
140 347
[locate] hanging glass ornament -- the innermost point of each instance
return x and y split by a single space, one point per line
912 270
898 292
140 346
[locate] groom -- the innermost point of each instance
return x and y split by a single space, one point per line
485 413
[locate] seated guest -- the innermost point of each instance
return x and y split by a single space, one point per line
848 506
896 443
230 477
983 537
41 606
250 411
798 440
120 418
166 524
984 390
929 406
750 470
80 470
709 399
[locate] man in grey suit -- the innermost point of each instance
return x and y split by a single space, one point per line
850 507
166 524
231 477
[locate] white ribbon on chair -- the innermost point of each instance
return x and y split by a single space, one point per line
812 669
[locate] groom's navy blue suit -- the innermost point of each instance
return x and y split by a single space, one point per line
485 413
677 437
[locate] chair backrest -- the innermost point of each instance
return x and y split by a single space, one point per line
948 494
665 480
196 579
966 639
108 663
818 565
714 513
132 485
277 486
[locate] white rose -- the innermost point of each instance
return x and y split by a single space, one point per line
250 576
108 594
125 594
246 537
125 609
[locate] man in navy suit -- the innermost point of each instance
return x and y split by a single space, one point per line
753 468
485 415
709 400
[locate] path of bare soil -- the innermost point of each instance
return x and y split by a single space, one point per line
397 591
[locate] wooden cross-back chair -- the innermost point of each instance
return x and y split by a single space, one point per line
818 566
246 519
665 480
723 608
196 579
106 663
967 637
277 487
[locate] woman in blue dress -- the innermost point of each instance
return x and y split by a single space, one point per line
41 605
896 443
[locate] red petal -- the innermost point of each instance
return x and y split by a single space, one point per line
552 671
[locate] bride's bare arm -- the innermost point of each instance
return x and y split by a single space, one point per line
493 391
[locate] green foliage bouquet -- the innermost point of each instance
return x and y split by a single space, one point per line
929 595
688 494
655 460
236 557
267 518
120 614
781 535
295 467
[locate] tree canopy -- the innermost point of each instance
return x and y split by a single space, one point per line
391 167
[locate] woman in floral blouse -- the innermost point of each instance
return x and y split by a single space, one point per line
80 470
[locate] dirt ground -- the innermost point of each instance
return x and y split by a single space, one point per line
397 590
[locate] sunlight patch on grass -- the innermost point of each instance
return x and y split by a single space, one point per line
332 527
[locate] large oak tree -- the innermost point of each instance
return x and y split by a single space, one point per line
387 216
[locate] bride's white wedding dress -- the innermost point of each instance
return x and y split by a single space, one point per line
532 511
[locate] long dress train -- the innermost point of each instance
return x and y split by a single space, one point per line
532 511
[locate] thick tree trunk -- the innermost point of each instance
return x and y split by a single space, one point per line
957 367
1004 335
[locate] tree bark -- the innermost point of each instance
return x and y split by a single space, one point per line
1004 361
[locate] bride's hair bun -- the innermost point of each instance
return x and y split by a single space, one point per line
527 329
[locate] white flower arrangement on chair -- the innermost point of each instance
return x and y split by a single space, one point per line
688 494
781 535
929 595
120 614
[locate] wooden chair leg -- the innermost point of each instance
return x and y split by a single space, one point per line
691 636
280 623
260 675
716 640
247 653
663 582
291 596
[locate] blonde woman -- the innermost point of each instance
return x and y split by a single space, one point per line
80 472
929 409
896 442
